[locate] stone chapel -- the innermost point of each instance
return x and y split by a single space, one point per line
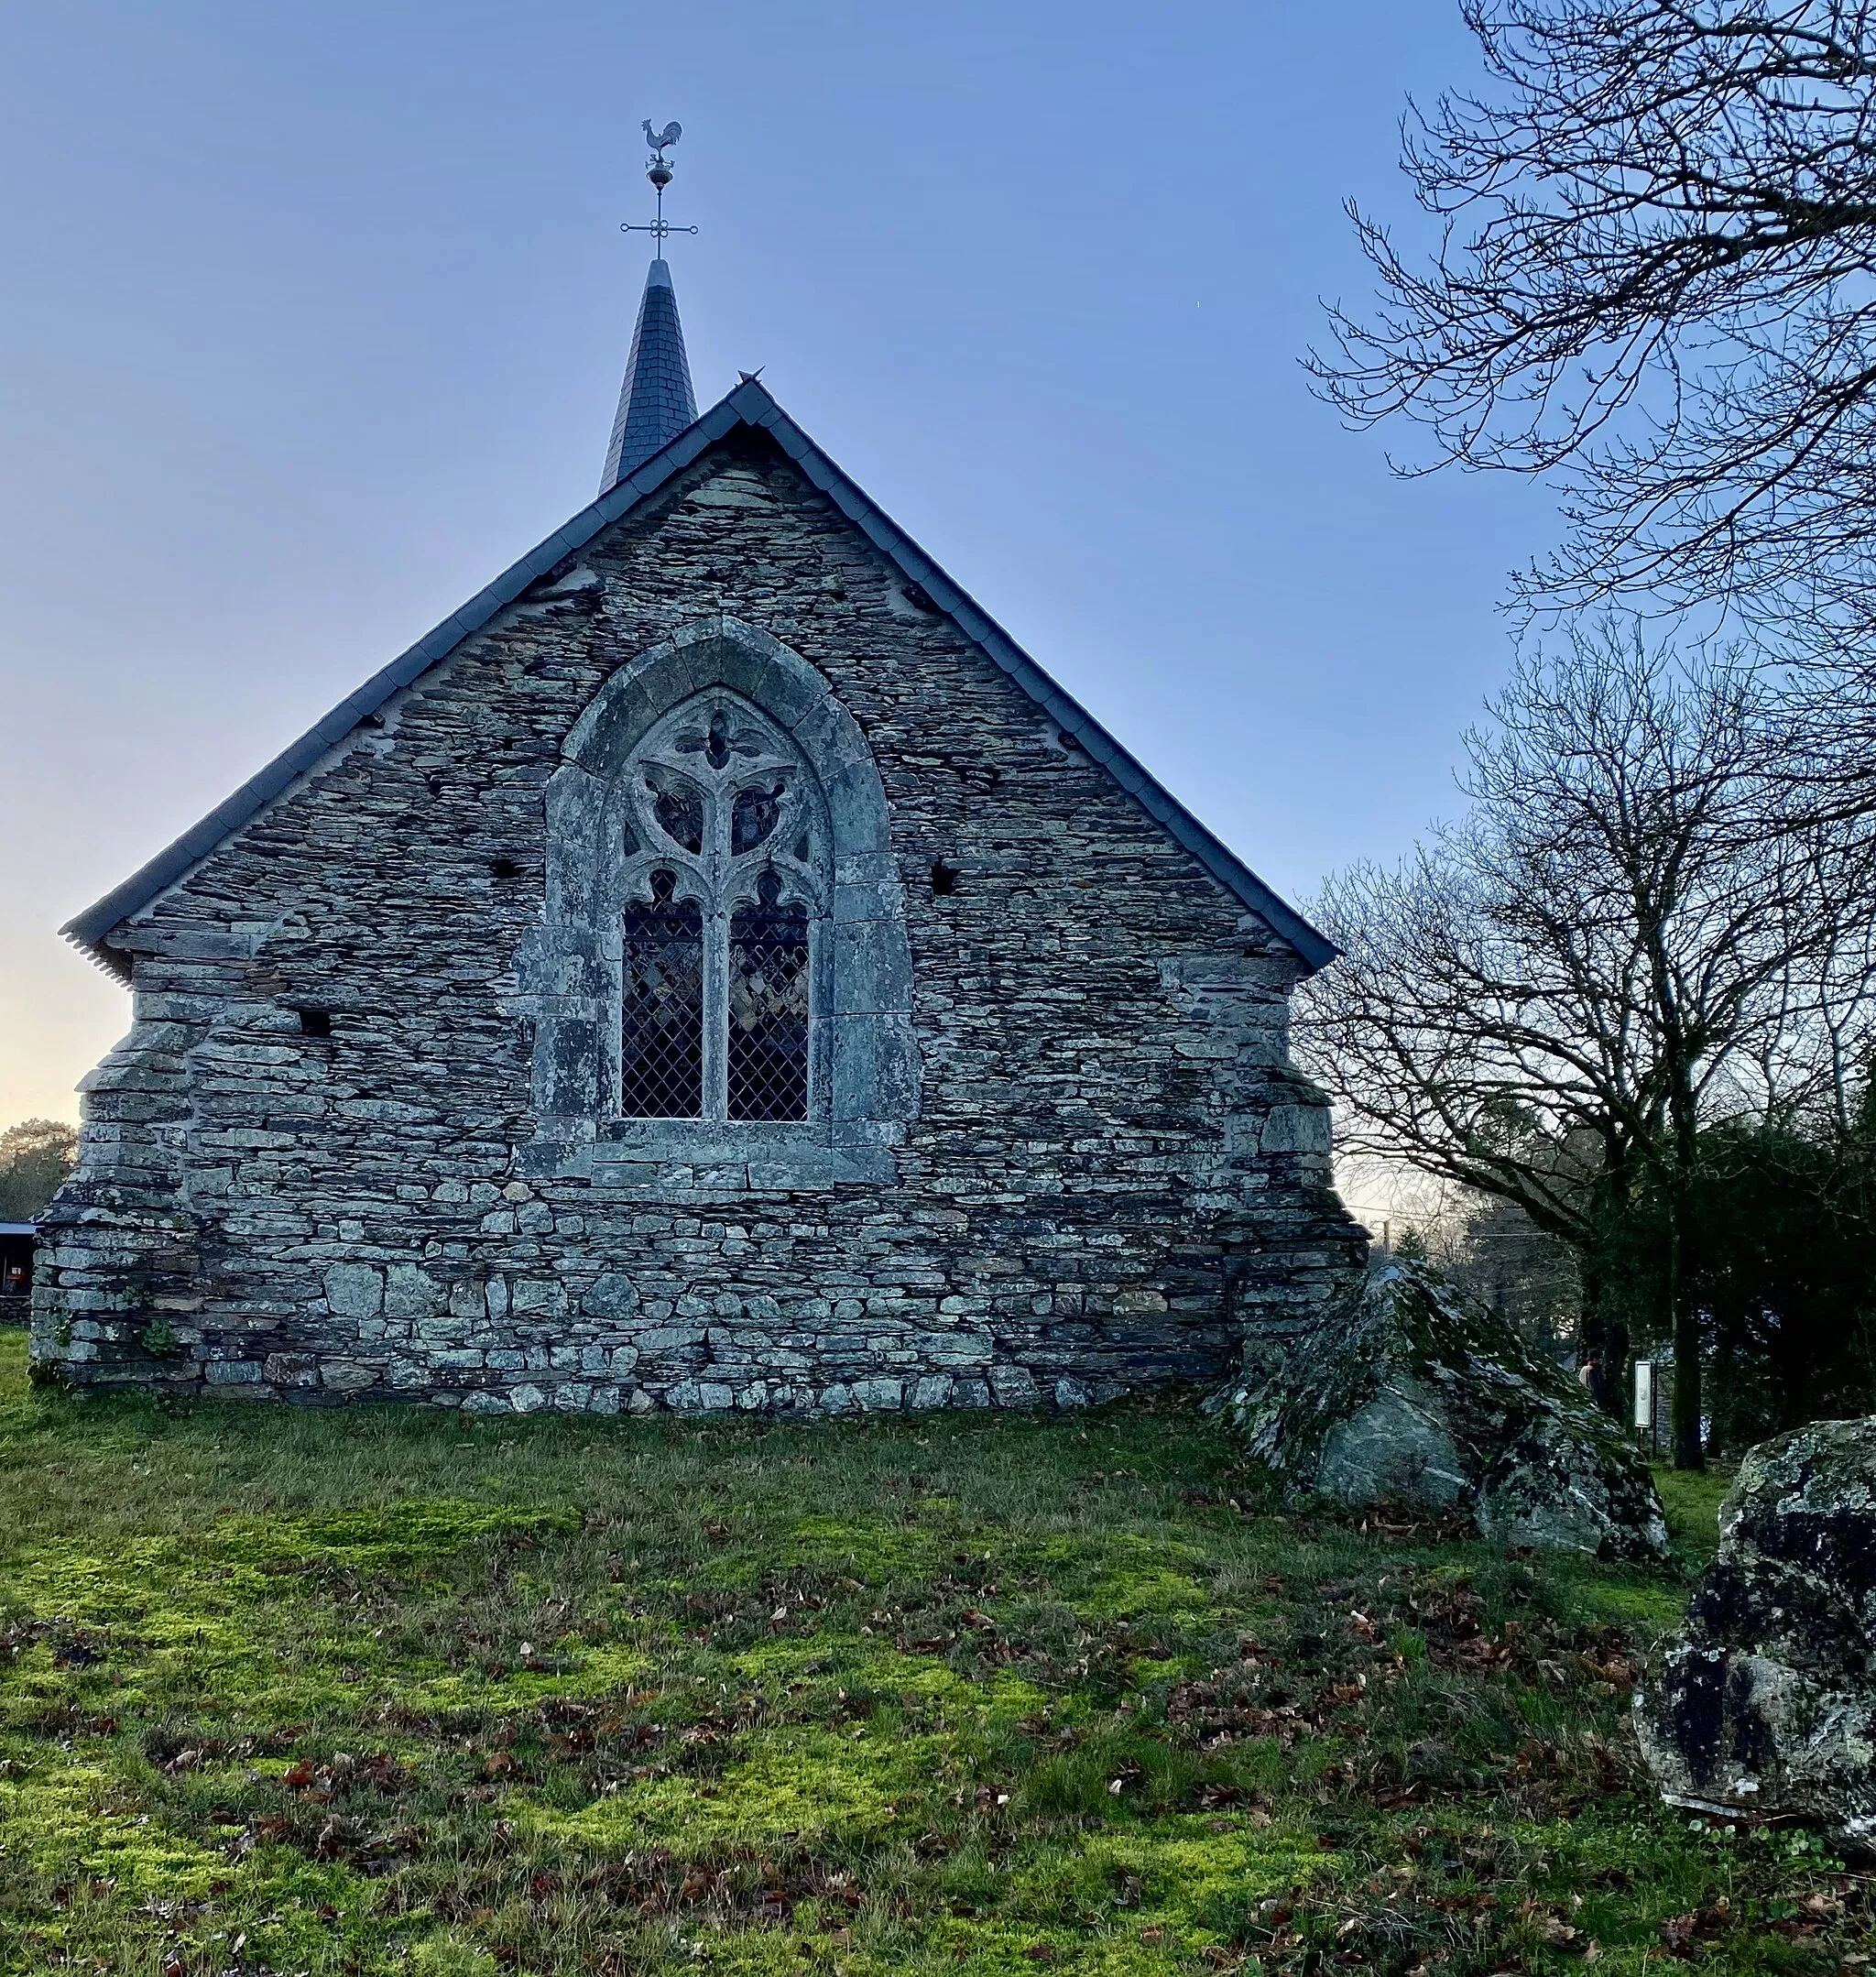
714 969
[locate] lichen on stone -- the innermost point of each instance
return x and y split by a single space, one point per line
1767 1702
1410 1393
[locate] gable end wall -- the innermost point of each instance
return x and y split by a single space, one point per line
1112 1175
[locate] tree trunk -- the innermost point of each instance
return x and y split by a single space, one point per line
1684 1328
1590 1244
1688 1451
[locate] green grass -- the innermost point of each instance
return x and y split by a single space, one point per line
1692 1500
383 1691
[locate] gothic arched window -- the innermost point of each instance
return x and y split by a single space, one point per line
724 886
718 994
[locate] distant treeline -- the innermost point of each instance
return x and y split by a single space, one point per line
35 1156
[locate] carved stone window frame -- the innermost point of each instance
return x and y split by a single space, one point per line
863 1058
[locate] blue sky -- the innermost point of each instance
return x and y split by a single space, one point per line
315 317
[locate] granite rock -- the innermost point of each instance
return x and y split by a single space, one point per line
1410 1394
1766 1702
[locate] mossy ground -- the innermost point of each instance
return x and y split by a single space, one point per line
383 1690
1692 1499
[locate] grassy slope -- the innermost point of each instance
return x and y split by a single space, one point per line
383 1690
1692 1501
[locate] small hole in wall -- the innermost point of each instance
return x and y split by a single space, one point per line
1067 740
943 879
503 869
315 1022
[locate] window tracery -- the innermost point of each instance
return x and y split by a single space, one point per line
725 885
718 994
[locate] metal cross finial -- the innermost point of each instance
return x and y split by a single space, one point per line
658 171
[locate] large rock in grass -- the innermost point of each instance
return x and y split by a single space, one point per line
1767 1700
1411 1394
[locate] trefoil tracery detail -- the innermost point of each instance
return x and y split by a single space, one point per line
725 885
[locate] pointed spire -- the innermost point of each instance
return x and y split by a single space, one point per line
656 403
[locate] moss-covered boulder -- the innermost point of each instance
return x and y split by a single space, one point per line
1409 1392
1767 1700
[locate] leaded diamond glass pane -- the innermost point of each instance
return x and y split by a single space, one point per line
661 1044
769 1012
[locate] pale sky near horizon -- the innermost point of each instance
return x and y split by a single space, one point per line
314 320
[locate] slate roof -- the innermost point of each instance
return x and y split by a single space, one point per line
749 405
656 403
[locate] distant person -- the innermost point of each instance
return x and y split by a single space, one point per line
1594 1376
1590 1372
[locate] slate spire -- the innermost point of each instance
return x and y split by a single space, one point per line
656 403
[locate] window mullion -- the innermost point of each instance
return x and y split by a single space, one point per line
716 1015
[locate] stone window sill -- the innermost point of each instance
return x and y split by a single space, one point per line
650 1154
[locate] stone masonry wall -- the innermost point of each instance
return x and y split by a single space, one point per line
1113 1173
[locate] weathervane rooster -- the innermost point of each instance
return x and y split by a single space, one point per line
658 170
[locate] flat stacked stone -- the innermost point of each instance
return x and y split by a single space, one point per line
1112 1169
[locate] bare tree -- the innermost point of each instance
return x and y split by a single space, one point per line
1527 1277
1653 284
1627 937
